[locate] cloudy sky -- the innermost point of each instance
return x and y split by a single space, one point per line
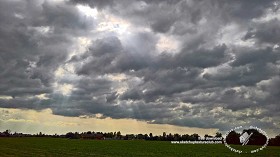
139 66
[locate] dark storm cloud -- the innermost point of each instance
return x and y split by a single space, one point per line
34 42
25 103
168 82
243 10
210 80
270 86
108 55
259 56
202 58
267 32
157 71
103 52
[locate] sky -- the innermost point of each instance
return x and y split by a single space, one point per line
179 66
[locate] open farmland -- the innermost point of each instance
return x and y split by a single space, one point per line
119 148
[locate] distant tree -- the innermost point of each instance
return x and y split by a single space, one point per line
119 135
256 138
151 136
194 137
274 141
185 137
164 135
170 137
146 137
7 132
277 140
233 138
156 138
70 135
111 135
218 134
77 135
140 136
55 135
177 137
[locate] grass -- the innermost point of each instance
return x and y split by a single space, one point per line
29 147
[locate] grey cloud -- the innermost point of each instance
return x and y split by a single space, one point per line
132 94
103 53
110 55
100 4
267 32
140 110
243 75
157 14
32 47
242 11
259 56
25 103
162 24
105 46
112 97
192 122
202 57
271 86
249 67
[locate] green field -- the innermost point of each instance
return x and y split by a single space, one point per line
36 147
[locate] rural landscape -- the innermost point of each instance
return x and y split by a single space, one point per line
139 78
114 144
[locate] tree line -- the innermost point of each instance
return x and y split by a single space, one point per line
232 138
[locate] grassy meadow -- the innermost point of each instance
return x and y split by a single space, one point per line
60 147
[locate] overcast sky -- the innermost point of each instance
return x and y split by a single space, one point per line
151 65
